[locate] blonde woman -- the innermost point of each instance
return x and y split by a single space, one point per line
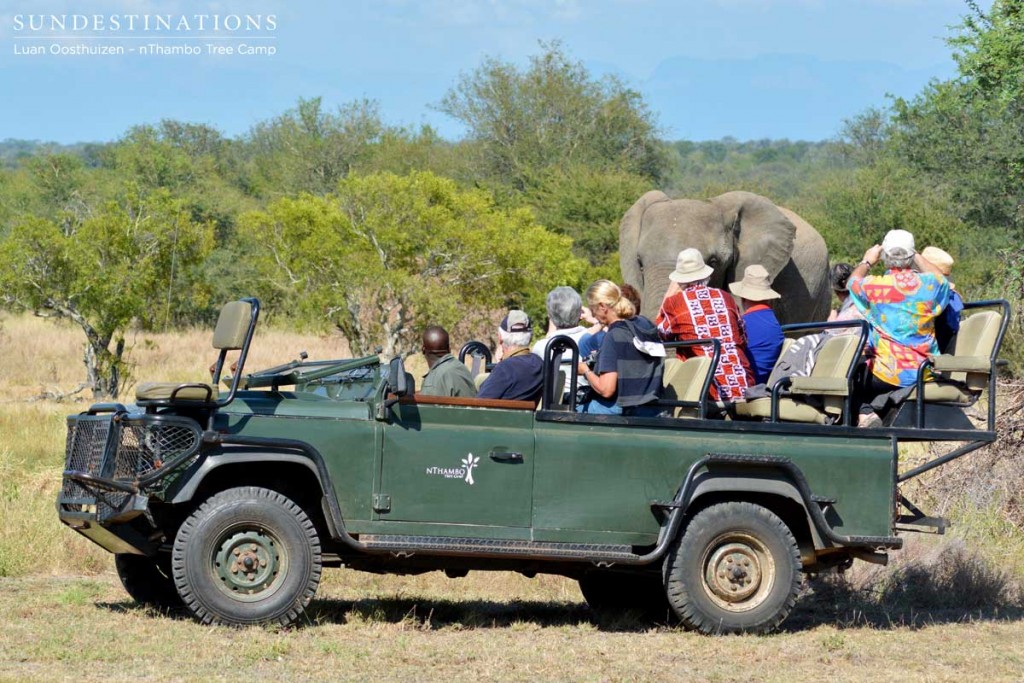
624 380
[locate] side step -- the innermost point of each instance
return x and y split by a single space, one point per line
483 547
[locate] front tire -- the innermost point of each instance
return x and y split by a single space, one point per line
148 580
247 555
736 569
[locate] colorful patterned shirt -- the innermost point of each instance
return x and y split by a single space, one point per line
901 307
701 312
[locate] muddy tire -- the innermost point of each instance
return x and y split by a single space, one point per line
148 580
736 569
247 556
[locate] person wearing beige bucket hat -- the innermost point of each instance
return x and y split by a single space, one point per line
693 310
947 325
764 333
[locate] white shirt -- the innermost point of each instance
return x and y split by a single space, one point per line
574 333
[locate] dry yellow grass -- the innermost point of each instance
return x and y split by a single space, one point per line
46 355
430 628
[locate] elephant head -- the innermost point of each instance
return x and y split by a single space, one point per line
732 231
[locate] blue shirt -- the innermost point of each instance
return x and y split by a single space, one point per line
764 340
589 343
520 377
948 324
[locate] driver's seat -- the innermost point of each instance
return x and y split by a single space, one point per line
234 332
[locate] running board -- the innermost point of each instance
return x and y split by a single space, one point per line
483 547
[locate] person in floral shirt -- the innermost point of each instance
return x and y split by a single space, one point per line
692 310
901 307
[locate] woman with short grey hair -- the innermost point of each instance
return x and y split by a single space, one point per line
564 306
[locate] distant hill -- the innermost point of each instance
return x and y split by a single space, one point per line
12 151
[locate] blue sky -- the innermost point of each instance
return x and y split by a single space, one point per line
708 68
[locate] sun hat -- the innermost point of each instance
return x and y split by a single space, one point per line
938 258
756 285
898 244
690 267
516 321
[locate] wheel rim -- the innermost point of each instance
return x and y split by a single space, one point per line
738 571
249 563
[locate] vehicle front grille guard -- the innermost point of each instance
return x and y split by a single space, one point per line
111 451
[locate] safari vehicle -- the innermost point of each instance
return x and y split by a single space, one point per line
232 503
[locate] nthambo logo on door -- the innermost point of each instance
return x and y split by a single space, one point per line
465 472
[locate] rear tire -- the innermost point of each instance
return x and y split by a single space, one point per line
736 569
247 555
618 594
148 580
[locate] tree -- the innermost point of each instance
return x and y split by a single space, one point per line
385 255
554 112
968 132
587 205
308 149
116 266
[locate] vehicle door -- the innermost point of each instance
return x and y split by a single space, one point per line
449 464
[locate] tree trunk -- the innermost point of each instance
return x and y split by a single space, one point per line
103 367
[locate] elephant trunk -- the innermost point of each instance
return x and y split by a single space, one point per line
656 283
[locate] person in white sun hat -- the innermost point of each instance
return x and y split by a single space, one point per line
764 333
693 310
900 307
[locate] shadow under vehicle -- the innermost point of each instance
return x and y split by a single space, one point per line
232 503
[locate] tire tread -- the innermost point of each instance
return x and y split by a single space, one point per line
226 497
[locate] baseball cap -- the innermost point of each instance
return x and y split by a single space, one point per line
516 321
898 244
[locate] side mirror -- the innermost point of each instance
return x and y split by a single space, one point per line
397 378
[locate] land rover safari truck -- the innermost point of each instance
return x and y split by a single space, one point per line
230 497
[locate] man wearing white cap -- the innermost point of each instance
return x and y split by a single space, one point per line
901 307
764 333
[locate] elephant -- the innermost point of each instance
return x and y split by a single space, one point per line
732 231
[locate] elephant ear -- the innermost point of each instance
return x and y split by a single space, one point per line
763 234
629 238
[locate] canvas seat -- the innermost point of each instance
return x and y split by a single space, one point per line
684 380
157 391
822 397
960 377
233 332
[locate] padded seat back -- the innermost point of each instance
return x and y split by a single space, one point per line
232 326
977 338
683 381
828 378
835 357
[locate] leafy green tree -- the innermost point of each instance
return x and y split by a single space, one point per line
116 266
587 205
309 149
386 254
968 132
526 121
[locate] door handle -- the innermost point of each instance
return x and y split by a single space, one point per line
506 456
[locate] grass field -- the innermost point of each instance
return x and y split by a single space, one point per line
945 609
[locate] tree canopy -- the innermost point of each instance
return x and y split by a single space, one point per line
524 122
385 255
119 265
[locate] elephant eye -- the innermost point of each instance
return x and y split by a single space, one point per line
713 261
